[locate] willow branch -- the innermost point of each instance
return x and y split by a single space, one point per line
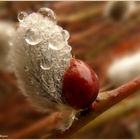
48 124
80 16
122 108
104 102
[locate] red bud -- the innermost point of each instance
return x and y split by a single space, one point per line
80 85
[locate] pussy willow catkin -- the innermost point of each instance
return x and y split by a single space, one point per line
40 56
45 69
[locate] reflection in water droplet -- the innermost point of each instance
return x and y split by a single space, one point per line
55 45
51 46
46 65
65 34
22 16
46 12
32 37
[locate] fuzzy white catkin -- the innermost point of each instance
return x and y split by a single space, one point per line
119 10
40 56
7 31
124 69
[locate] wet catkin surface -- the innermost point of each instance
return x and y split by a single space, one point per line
94 39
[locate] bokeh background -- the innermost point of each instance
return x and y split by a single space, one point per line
96 37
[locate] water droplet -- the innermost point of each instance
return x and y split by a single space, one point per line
46 65
22 16
26 68
51 46
46 12
55 46
32 36
66 51
68 48
65 34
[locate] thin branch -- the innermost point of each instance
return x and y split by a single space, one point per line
122 108
84 15
105 101
46 124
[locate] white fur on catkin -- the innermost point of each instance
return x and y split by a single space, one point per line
124 69
40 56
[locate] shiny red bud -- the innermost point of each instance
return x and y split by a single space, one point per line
80 85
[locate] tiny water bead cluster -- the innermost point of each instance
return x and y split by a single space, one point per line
47 53
46 71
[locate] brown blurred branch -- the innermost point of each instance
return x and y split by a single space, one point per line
129 26
84 15
90 31
46 124
105 101
122 108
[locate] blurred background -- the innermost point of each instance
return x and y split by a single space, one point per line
104 34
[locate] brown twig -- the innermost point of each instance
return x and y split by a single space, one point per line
126 106
48 124
80 16
105 101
